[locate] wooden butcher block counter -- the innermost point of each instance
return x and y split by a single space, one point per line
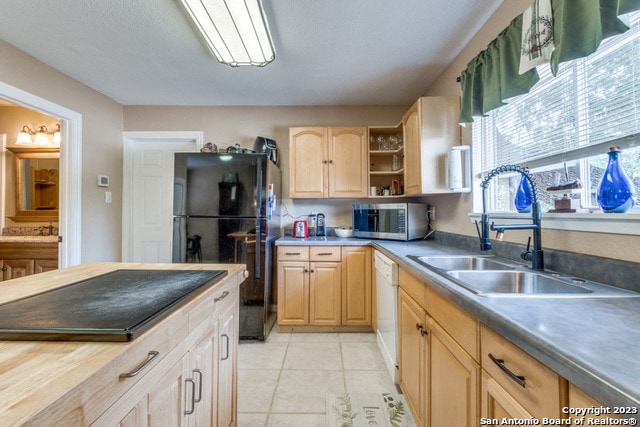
180 368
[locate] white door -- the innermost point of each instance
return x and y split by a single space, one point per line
147 199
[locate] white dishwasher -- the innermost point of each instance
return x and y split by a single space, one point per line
387 307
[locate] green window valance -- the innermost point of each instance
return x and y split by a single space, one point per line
579 26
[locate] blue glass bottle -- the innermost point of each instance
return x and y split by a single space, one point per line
616 192
524 198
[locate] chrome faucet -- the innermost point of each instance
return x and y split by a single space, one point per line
536 256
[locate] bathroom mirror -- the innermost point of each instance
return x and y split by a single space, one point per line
37 184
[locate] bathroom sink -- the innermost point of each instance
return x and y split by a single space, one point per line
456 262
534 284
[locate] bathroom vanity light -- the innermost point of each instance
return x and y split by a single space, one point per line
24 136
236 31
41 137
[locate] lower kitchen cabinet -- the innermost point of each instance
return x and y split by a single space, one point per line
454 382
439 378
356 286
580 399
225 396
514 384
199 388
165 399
413 354
324 288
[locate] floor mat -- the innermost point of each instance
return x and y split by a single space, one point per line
366 409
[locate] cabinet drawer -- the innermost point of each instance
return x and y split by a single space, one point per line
324 253
413 287
293 253
539 390
460 325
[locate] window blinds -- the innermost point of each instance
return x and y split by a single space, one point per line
591 104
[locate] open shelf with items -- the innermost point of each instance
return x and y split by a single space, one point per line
386 161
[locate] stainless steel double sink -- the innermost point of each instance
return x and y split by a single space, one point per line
491 276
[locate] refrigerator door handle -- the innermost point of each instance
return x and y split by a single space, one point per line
258 263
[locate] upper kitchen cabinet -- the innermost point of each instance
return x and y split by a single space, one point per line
328 162
430 130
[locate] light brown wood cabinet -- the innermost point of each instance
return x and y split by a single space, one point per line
439 377
25 259
413 354
430 130
514 384
200 386
328 162
356 286
324 287
580 399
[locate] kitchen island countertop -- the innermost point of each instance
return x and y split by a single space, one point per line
39 375
593 342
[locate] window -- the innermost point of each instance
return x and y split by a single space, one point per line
563 128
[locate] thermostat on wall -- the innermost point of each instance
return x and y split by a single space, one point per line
103 181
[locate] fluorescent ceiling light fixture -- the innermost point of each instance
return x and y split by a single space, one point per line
236 31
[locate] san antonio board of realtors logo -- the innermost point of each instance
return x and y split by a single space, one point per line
538 36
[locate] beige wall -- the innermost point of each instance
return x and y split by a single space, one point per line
101 145
456 208
226 126
103 121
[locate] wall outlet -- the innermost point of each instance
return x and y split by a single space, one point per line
431 213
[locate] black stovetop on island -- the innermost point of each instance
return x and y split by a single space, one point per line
115 306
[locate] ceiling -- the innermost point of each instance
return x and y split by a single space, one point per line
328 52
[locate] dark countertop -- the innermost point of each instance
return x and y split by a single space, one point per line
593 342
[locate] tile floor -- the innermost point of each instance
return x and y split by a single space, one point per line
283 380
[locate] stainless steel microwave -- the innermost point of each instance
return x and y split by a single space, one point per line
393 221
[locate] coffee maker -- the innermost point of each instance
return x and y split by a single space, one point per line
268 146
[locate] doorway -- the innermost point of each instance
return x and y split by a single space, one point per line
69 221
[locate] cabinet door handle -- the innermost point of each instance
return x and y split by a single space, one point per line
325 253
152 355
292 253
193 394
199 372
519 379
226 356
221 297
312 270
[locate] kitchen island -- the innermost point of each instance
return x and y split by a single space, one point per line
183 366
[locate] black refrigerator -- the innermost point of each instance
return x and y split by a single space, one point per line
226 210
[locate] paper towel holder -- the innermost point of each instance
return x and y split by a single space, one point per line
459 169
